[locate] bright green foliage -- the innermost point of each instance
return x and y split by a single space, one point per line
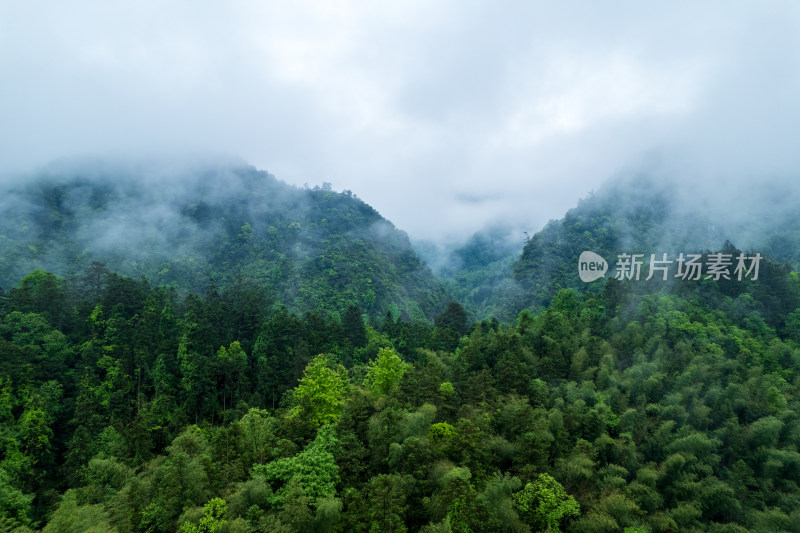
385 372
314 469
447 388
441 431
545 504
34 433
320 394
213 518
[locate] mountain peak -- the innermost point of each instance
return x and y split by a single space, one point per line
185 224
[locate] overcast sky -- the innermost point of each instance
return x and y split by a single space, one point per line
444 116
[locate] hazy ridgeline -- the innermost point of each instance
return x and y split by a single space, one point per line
500 271
193 225
172 390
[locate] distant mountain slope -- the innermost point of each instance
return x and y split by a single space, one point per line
647 215
194 225
477 272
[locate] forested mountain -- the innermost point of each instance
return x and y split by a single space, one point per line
648 214
189 226
131 404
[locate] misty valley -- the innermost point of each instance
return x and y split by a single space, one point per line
203 347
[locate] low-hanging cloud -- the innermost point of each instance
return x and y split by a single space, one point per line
415 106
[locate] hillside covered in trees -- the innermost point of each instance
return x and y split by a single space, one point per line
214 400
190 225
648 214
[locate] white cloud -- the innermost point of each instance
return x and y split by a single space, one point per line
577 93
422 109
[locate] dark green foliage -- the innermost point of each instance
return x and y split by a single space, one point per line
130 407
451 324
353 326
645 410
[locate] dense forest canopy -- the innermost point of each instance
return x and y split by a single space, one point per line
187 226
208 391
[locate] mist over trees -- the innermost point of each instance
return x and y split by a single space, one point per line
168 362
478 272
191 226
644 214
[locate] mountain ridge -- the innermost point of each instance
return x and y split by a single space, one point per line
188 227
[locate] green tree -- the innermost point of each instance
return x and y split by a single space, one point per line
258 439
453 318
544 504
451 325
385 372
213 518
15 507
181 480
386 502
233 363
314 469
354 328
41 292
72 517
320 394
